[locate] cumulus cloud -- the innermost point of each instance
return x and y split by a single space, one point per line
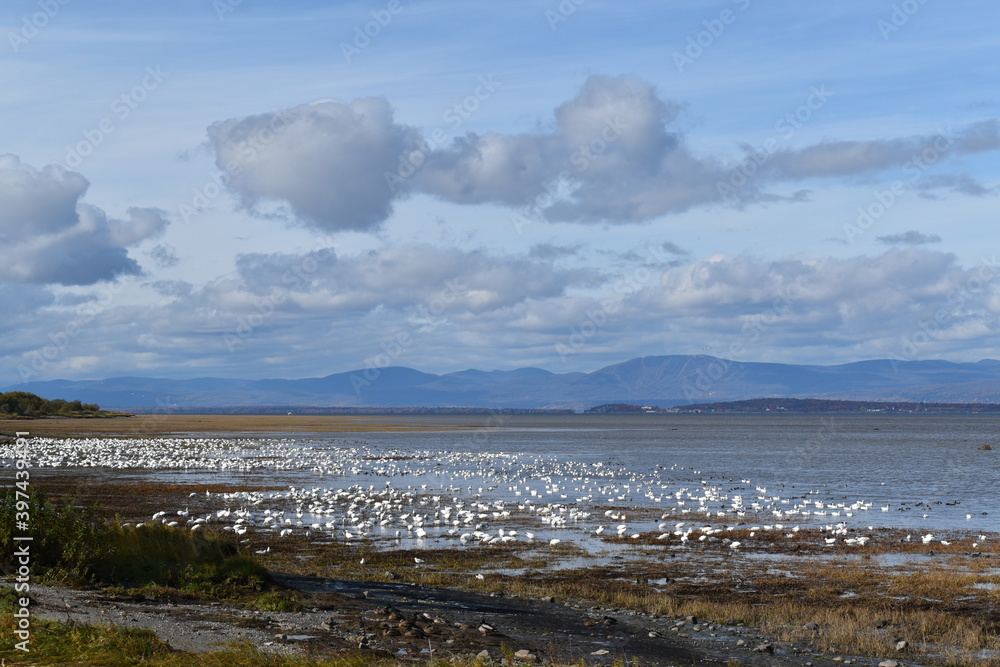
864 301
615 152
52 237
326 160
309 314
912 237
405 277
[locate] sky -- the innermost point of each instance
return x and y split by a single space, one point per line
262 189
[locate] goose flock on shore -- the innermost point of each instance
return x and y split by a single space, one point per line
466 497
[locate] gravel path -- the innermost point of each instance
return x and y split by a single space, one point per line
407 621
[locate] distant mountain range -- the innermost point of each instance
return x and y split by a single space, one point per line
663 381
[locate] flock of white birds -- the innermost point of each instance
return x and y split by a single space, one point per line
462 497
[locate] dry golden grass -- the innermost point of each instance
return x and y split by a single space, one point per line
145 425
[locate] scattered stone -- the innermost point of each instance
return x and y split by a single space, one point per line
811 625
838 659
525 654
766 647
600 652
741 642
900 645
691 619
888 663
548 598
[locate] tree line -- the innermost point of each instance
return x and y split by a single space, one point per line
26 404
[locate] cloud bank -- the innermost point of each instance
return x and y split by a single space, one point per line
615 153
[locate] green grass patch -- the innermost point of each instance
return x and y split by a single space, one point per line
77 545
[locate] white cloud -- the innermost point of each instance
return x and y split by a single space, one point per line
51 237
614 153
327 160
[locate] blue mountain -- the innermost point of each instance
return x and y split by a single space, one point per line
661 380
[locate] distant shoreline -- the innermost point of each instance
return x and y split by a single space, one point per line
802 406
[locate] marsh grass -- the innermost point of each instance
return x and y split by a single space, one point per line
77 545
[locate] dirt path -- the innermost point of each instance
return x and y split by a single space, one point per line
411 622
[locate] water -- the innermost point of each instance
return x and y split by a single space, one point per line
887 460
775 470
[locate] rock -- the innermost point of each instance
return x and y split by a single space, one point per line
525 654
985 448
766 647
548 598
600 652
900 645
888 663
811 625
741 642
483 655
691 619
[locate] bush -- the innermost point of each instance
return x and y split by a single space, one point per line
79 545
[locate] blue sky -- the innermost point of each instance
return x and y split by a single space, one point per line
290 189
